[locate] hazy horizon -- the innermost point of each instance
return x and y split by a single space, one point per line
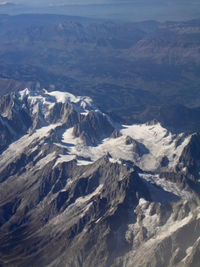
132 10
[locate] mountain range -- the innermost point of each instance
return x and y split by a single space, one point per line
79 189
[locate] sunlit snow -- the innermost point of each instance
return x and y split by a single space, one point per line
156 139
158 142
165 185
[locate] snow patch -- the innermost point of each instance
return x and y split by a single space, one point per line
165 185
156 139
150 222
45 160
116 147
83 162
84 199
115 161
82 104
159 141
17 147
38 101
64 158
46 100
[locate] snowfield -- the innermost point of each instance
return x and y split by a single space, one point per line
159 144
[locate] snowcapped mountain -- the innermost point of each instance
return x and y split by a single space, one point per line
100 193
86 134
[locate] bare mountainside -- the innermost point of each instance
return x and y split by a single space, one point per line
135 72
77 189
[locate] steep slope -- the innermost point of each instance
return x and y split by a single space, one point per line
76 189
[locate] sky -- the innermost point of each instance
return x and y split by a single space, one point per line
131 10
42 2
86 2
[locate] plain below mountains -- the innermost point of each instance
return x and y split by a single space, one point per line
134 71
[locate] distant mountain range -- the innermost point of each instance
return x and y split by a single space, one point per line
135 72
113 9
6 4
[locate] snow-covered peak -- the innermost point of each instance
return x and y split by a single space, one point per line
162 144
150 148
81 104
88 138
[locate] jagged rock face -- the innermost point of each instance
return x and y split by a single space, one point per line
191 155
72 195
30 110
71 202
5 135
90 128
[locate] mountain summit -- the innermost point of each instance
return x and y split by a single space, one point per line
77 189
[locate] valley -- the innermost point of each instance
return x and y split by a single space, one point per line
148 68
